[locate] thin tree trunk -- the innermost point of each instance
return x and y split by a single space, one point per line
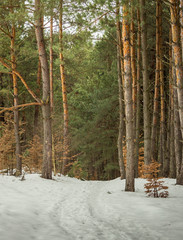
64 95
162 95
137 127
47 146
174 144
147 127
51 63
36 113
121 109
16 113
133 65
170 151
51 90
128 103
134 77
179 70
154 155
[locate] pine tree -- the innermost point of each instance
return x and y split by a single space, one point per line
154 187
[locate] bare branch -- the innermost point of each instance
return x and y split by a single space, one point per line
22 80
19 106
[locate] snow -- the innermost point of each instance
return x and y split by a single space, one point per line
69 209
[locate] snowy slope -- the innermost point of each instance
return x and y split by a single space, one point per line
70 209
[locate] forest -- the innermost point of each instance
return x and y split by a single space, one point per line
91 119
91 89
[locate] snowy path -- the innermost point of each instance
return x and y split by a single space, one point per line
69 209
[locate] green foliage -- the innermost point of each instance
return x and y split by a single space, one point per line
94 111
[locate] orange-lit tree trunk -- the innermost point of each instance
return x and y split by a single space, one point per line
64 94
146 111
15 97
128 102
179 70
121 108
46 110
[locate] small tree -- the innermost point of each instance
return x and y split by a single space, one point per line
154 187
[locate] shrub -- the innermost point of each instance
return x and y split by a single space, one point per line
154 187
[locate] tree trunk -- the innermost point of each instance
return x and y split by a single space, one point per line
133 65
177 133
51 90
170 149
134 78
179 70
36 113
16 113
128 103
137 127
147 127
174 144
51 64
181 24
162 95
121 109
47 146
64 95
154 155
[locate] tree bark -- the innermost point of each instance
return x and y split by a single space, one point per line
64 95
15 97
51 63
179 70
121 108
36 113
154 155
181 24
128 103
134 78
177 132
51 89
133 65
162 95
146 113
47 146
137 127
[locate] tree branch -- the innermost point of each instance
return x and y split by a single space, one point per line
22 80
2 30
19 106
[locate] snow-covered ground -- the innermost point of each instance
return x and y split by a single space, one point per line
70 209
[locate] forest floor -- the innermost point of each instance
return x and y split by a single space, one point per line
69 209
